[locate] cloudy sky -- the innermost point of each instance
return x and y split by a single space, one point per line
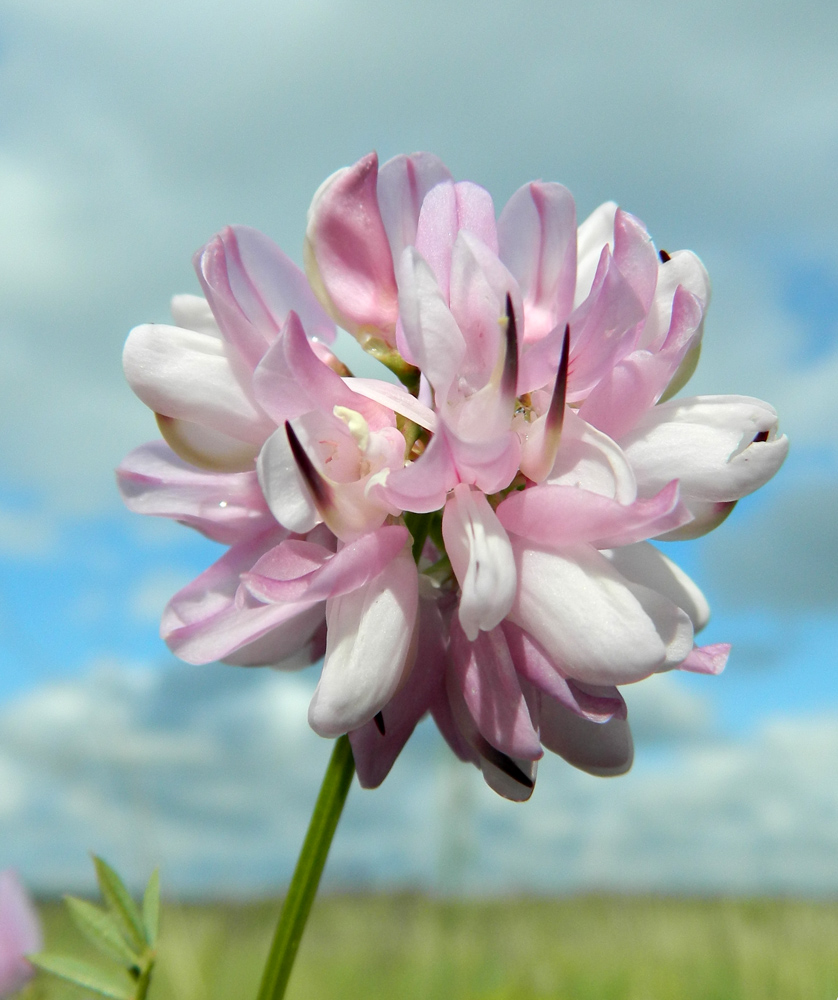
129 135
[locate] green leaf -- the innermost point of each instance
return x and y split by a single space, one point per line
84 974
119 901
102 930
151 908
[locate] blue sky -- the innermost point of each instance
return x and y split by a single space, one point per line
130 135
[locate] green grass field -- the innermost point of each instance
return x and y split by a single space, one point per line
410 947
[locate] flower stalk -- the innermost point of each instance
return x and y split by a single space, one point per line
306 878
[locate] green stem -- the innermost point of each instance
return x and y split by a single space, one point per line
144 980
303 888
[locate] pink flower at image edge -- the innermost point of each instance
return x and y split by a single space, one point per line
20 933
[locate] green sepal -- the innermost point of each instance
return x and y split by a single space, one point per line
417 525
406 373
121 904
151 908
103 930
84 974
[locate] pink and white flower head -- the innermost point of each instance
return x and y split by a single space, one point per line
20 934
474 543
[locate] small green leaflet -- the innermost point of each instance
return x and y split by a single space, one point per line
83 974
103 930
151 908
121 904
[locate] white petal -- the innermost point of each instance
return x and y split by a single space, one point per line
598 626
481 558
593 234
605 749
648 566
187 375
708 444
286 493
589 459
397 398
685 269
206 448
431 332
368 647
193 313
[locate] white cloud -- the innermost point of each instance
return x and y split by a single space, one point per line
212 771
662 710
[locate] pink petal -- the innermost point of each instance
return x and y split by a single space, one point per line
683 270
348 257
604 749
594 234
511 777
403 183
537 241
291 379
486 675
446 722
635 256
251 286
490 465
480 284
281 648
626 392
225 507
352 566
423 485
214 616
707 659
447 209
284 486
602 328
596 703
638 381
516 785
557 516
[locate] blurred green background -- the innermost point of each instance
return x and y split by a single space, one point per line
412 947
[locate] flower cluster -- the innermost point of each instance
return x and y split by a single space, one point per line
472 542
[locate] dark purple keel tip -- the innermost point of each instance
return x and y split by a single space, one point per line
555 415
509 379
504 763
320 490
